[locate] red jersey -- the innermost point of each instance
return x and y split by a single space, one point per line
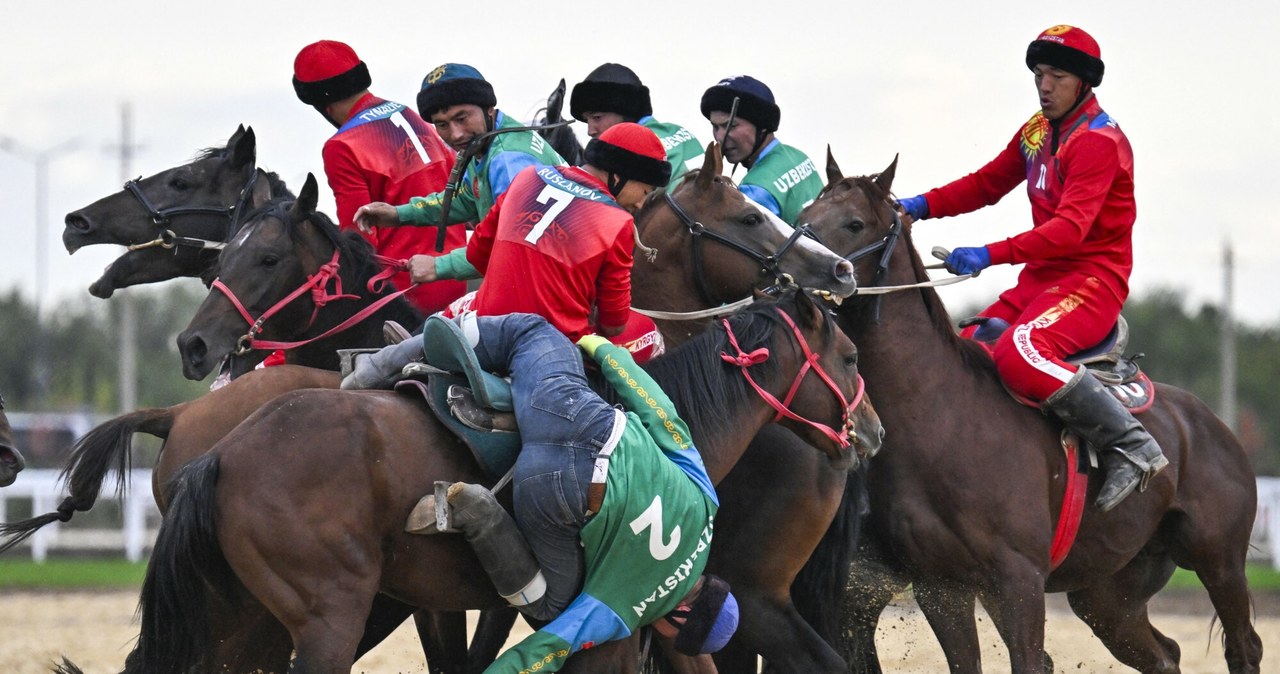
557 245
386 152
1079 175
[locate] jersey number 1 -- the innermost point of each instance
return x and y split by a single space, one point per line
399 120
559 201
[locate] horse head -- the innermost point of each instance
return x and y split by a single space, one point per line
562 139
11 462
707 234
193 208
856 216
284 264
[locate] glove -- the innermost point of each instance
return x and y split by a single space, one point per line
590 343
968 260
917 207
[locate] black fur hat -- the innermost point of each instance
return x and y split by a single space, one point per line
610 88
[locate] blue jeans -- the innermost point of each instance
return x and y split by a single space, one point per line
563 424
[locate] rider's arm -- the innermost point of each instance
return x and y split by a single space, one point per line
504 166
425 211
480 246
585 621
1090 165
454 265
349 185
613 284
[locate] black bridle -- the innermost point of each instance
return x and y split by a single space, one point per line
769 264
161 217
885 247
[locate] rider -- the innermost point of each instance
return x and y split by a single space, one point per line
382 151
613 510
779 177
1078 254
558 244
612 94
457 99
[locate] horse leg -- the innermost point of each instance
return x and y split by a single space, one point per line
444 639
949 612
1115 608
782 637
247 638
1018 602
492 631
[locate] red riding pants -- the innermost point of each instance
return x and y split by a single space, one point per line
1046 327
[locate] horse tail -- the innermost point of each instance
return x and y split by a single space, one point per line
819 589
107 447
186 564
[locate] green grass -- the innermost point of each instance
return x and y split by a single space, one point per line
71 574
1262 578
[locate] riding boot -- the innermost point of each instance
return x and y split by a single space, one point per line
1130 456
382 368
502 549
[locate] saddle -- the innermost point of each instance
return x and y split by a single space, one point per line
474 404
1106 361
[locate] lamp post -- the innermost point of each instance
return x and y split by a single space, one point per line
40 159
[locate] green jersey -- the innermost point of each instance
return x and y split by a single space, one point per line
680 144
783 179
649 543
488 175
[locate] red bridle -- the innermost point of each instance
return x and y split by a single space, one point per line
317 285
745 360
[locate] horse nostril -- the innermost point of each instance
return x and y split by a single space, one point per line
196 351
79 223
844 271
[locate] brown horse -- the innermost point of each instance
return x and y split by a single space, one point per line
965 504
717 207
11 461
314 533
175 221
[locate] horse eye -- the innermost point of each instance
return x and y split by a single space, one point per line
856 226
179 184
270 261
851 360
753 219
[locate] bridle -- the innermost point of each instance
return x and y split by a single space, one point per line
769 264
744 360
161 217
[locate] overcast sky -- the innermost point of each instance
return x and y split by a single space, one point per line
943 84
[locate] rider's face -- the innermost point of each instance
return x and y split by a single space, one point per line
736 143
599 122
1058 90
458 124
633 194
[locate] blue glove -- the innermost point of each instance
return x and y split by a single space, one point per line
968 260
917 207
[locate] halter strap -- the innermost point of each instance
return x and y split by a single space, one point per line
168 239
745 360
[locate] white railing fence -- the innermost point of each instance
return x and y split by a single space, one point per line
135 531
131 533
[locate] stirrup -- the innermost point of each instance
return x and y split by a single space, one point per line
347 360
431 514
464 408
394 333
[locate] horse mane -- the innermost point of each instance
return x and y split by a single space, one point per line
971 352
220 152
705 389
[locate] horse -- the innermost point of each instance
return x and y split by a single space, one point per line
175 221
709 201
278 281
562 138
11 461
964 503
314 535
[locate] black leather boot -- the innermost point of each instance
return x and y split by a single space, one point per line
1130 456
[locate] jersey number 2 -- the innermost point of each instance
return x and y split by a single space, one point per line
651 519
559 201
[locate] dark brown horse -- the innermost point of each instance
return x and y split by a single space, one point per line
964 505
11 461
305 502
803 491
289 276
174 221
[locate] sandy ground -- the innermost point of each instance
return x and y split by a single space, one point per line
96 631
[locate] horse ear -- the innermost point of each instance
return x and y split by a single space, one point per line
555 103
712 165
307 199
834 174
809 312
243 147
261 192
885 180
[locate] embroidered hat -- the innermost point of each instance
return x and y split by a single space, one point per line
328 71
610 88
454 84
1068 48
710 620
631 151
755 101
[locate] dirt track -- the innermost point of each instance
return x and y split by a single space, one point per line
96 631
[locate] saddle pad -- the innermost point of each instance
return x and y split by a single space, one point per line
495 451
